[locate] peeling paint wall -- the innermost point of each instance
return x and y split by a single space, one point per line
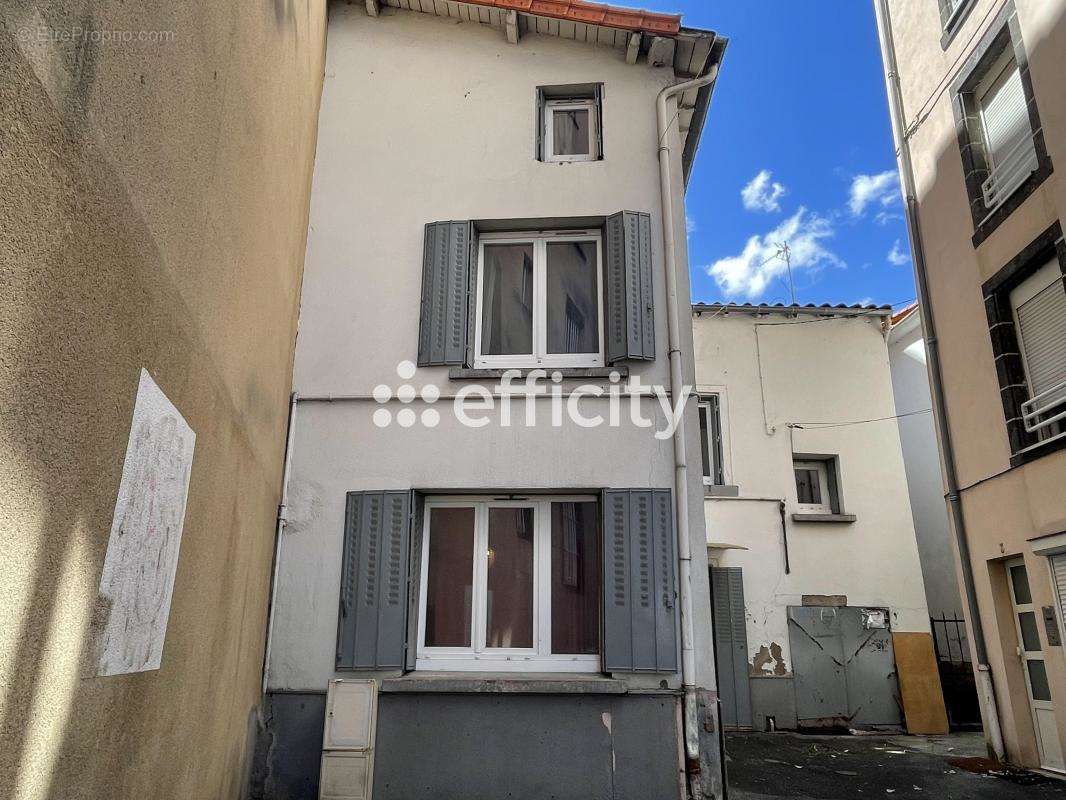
155 164
835 370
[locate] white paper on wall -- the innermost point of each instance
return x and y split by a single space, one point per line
142 552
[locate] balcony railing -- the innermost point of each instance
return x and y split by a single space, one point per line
1010 173
1045 414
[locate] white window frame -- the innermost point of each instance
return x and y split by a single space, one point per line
704 393
822 468
478 657
581 104
539 357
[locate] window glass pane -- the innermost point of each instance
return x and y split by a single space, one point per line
449 592
572 291
1020 582
1030 638
570 132
704 442
808 489
510 578
507 302
575 578
1038 680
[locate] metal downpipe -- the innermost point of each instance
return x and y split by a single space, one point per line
985 688
684 545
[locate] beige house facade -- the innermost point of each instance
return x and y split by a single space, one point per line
156 168
975 90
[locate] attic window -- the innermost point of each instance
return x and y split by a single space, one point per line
568 123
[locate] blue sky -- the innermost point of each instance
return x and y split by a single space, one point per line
801 97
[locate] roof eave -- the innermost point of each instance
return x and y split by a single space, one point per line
703 105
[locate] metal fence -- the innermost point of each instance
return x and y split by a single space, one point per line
950 640
956 672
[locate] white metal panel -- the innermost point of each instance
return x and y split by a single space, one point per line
351 711
345 776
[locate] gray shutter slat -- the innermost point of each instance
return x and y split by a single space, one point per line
642 579
640 608
414 579
740 644
630 317
665 591
539 138
373 607
446 271
617 636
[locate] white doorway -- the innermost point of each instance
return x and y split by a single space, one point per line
1037 685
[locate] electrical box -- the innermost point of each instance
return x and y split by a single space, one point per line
347 771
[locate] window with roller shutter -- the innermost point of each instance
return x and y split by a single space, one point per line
997 122
1025 302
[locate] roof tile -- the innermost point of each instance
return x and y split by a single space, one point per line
632 19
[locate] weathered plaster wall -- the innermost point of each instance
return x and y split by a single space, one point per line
360 308
1002 513
153 215
833 370
925 484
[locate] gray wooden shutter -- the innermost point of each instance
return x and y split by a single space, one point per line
414 577
731 644
639 605
372 622
630 318
446 288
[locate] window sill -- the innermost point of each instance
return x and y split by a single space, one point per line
1038 451
837 518
495 683
465 374
720 490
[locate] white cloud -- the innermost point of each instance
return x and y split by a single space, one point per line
751 271
884 217
690 224
897 256
864 301
762 193
882 188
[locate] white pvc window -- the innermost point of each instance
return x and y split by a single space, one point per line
1039 306
510 585
712 440
1007 132
812 487
571 130
540 300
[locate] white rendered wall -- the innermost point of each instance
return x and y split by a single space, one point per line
428 119
910 383
834 370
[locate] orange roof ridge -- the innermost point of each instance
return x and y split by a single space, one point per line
632 19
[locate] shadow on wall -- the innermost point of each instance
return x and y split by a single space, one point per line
89 299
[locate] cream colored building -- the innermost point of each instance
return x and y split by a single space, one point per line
979 115
820 609
156 170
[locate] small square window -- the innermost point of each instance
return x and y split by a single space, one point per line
816 485
568 123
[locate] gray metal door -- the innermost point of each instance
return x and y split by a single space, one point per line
731 645
843 667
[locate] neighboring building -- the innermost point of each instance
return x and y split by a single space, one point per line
820 612
925 485
975 88
486 197
156 168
